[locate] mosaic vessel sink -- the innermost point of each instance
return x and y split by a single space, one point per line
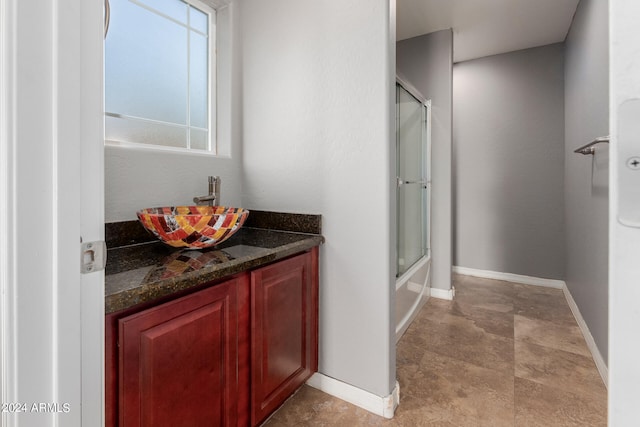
193 227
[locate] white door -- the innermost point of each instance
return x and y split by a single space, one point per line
51 197
624 225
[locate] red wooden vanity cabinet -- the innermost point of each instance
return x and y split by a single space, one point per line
178 361
226 355
284 325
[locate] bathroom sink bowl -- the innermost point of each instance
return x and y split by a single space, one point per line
193 227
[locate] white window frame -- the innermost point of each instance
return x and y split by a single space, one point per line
212 124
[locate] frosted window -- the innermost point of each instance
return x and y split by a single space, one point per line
174 9
198 20
143 132
198 77
198 139
157 68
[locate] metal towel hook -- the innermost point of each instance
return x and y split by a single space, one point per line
589 148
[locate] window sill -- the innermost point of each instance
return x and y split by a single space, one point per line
160 149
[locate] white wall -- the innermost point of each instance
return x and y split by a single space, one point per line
587 177
426 62
624 242
50 128
508 139
139 178
27 178
318 88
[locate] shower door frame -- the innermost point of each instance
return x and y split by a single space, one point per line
426 104
424 262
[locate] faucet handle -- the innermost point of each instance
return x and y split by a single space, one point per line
214 188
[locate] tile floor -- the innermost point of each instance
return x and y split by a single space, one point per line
500 354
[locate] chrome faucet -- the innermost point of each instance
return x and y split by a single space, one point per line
214 192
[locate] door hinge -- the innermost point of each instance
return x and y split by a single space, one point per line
93 257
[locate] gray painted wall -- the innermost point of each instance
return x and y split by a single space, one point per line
426 62
586 177
508 161
318 90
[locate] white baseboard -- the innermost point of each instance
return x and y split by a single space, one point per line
591 344
447 294
549 283
510 277
382 406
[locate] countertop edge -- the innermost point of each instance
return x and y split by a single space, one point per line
160 289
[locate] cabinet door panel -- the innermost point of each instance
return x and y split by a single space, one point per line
281 327
178 361
198 381
283 339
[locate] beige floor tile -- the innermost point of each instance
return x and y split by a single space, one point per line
311 407
541 406
463 339
541 303
488 294
500 354
456 392
493 322
558 369
414 412
411 346
549 334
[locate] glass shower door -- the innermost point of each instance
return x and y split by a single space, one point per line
412 145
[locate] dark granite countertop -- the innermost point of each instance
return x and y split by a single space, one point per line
143 272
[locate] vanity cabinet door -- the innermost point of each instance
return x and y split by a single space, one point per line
178 361
283 331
